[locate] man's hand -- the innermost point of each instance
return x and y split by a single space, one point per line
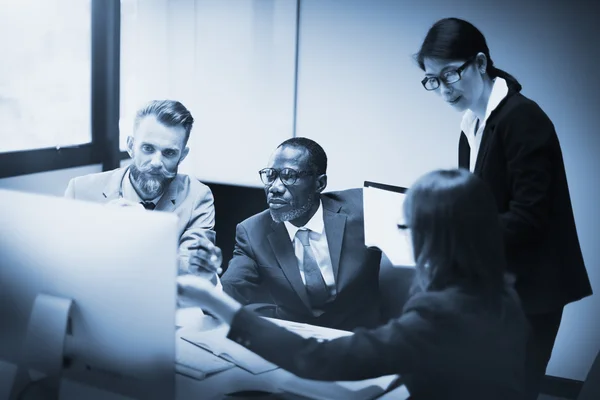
194 291
121 202
205 258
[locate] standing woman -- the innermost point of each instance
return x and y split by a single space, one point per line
508 141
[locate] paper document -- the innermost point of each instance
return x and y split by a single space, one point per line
196 362
215 341
383 212
349 390
310 331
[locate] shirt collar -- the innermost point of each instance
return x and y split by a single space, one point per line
499 92
315 224
129 192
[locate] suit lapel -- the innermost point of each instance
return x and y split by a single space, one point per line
168 200
114 187
483 148
464 152
284 252
335 224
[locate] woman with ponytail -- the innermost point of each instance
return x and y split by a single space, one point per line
509 142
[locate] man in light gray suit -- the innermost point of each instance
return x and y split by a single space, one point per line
157 147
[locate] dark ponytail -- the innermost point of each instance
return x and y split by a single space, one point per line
457 39
494 72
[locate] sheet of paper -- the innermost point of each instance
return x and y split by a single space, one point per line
307 331
382 212
365 389
193 361
321 390
382 382
215 341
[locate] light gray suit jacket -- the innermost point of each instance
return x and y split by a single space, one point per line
188 198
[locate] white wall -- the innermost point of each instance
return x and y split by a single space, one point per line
231 63
359 95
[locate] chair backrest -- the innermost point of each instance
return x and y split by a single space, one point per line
394 286
591 387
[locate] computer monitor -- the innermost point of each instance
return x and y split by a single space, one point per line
117 266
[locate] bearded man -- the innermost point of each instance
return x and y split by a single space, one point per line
307 250
158 145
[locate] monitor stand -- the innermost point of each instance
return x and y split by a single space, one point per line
39 371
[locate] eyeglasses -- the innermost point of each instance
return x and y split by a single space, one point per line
448 77
288 176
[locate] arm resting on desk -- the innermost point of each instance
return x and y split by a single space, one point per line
403 345
397 347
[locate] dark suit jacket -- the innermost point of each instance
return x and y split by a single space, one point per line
446 345
521 160
264 257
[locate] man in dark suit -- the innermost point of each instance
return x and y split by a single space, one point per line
307 250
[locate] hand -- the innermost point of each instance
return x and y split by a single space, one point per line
194 291
121 202
205 258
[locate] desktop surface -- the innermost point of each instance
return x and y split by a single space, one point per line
252 377
237 383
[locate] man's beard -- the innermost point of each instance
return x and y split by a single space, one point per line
151 185
294 213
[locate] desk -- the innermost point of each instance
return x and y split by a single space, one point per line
237 379
217 385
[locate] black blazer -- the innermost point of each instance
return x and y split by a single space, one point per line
445 345
264 257
521 160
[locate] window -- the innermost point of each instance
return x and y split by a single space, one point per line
45 79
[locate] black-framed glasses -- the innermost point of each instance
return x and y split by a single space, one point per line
288 176
448 77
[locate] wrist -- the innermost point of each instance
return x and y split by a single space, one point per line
224 306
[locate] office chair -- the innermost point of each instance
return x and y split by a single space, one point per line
394 286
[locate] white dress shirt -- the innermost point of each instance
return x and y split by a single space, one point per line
469 120
319 246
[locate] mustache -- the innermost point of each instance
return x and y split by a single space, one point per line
157 171
270 198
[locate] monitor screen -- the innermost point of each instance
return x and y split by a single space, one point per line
117 265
